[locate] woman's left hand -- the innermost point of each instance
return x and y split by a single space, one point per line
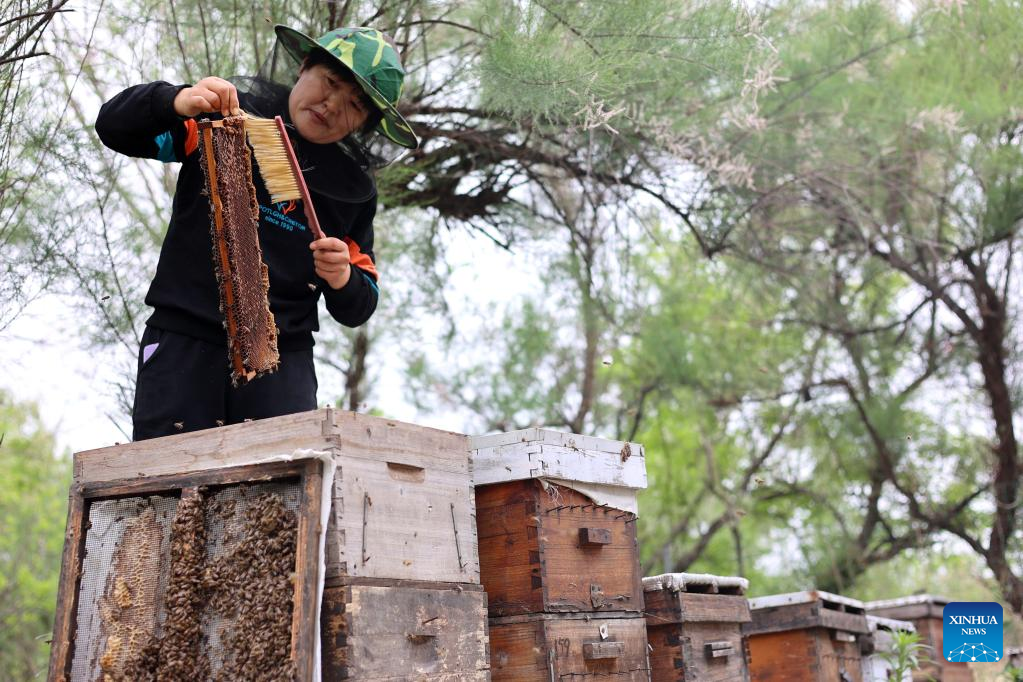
332 261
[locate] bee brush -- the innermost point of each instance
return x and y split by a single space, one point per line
279 167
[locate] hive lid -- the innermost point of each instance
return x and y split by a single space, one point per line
696 582
805 597
555 455
876 623
805 610
911 600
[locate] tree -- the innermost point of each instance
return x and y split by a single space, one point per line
886 196
23 158
33 504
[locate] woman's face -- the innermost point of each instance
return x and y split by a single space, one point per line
325 108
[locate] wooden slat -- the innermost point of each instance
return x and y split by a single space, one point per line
307 566
360 435
231 475
551 437
203 450
400 633
802 616
62 647
667 606
517 461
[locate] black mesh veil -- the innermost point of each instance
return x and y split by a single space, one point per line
279 73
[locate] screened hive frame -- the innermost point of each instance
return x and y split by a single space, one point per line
304 477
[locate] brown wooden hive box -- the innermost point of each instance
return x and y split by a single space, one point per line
924 611
694 627
403 505
548 647
548 548
427 632
809 636
400 538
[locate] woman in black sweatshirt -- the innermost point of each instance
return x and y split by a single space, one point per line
339 87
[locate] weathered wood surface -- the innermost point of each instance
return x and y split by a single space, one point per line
347 433
533 559
839 659
400 633
911 607
697 652
802 616
399 520
67 591
804 655
784 657
555 647
540 453
668 606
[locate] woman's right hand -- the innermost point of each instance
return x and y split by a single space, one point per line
208 96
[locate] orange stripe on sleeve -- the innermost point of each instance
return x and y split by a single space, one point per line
191 137
361 260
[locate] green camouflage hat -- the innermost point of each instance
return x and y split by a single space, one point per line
368 55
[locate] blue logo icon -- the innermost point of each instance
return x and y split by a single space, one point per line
972 632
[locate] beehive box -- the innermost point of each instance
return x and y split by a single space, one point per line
805 637
546 548
556 517
924 611
694 627
407 631
572 646
402 505
876 668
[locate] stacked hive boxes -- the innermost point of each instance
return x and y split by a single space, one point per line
694 626
806 637
558 555
925 612
876 665
402 597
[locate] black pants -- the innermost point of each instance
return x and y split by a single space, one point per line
184 384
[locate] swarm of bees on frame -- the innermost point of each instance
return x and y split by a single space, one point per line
247 590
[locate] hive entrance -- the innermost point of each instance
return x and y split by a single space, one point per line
206 582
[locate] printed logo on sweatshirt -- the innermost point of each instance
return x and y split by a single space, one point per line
277 214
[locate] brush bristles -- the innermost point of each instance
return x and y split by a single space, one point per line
272 159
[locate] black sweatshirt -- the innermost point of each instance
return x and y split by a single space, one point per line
141 122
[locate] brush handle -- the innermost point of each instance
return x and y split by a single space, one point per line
307 202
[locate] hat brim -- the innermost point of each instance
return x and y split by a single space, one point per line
393 125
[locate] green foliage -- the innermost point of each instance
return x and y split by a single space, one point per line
33 503
1012 674
906 653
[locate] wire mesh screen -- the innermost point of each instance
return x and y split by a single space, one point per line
122 585
198 588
